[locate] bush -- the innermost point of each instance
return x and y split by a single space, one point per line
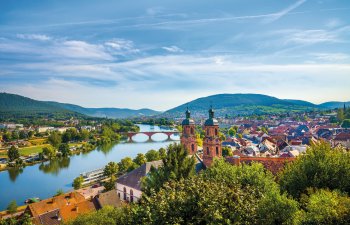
321 167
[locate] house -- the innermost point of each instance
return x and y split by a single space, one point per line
44 129
60 209
267 146
109 198
342 139
129 185
299 148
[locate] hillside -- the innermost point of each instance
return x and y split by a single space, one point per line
334 105
241 104
106 112
16 106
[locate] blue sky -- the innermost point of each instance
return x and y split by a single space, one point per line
159 54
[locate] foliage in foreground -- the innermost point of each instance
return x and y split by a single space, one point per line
321 167
246 194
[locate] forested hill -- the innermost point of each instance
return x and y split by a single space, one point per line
107 112
16 106
243 104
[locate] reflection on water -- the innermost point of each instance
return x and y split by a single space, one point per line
43 180
106 148
14 172
55 165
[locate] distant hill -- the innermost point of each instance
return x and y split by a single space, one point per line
16 106
301 103
334 105
107 112
241 104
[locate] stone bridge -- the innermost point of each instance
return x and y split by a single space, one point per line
151 133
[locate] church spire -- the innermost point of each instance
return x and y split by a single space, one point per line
188 113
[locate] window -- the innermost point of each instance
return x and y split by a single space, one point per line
124 193
192 147
217 150
119 195
216 132
192 131
208 153
207 132
131 196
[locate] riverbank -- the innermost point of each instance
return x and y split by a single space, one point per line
44 179
34 151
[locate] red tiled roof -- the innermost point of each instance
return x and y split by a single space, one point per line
272 164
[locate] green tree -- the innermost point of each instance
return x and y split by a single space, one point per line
15 135
125 164
226 151
110 184
326 207
64 149
232 132
321 167
177 165
107 216
222 136
140 159
340 115
110 169
49 152
12 207
199 140
13 153
6 136
162 153
55 139
84 134
152 155
78 182
23 134
346 123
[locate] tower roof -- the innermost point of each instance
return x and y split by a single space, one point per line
188 120
211 121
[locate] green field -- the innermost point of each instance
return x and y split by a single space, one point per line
33 149
27 150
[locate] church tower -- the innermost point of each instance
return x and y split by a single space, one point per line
188 137
211 142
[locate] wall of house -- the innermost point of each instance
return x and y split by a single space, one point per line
120 192
345 144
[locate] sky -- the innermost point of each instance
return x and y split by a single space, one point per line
159 54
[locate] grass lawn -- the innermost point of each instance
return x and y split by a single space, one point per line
26 150
33 149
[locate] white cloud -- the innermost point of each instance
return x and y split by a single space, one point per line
173 49
81 49
121 47
311 37
39 37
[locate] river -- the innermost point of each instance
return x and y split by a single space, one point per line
44 179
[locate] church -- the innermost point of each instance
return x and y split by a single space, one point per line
211 142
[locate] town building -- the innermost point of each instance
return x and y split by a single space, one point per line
129 185
60 209
188 137
211 143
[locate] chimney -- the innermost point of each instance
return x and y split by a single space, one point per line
77 209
